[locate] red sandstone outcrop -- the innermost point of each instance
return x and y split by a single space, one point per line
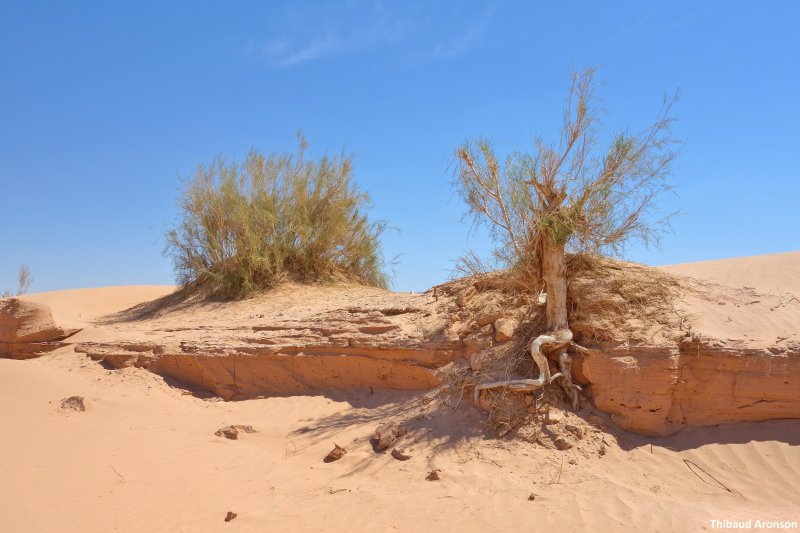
699 366
315 339
658 390
27 329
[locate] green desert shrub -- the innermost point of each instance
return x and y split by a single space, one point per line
249 225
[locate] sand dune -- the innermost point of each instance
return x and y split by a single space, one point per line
770 273
144 457
79 307
753 301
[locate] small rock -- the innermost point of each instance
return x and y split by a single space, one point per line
562 443
434 475
474 344
230 516
386 434
73 403
399 455
504 329
602 450
335 454
465 296
575 430
232 432
488 318
531 497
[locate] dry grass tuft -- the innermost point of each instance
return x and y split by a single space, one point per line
616 300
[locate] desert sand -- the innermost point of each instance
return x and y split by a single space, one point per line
144 456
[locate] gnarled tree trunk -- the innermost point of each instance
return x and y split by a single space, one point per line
554 274
557 339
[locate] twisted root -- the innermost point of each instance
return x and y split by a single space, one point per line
557 341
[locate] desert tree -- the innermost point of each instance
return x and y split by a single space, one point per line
581 194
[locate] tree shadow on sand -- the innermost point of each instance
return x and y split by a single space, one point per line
179 300
436 424
454 427
689 438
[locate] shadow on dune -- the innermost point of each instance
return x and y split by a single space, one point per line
787 431
441 428
436 427
177 301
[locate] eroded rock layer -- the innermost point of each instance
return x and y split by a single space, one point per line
657 390
27 329
722 355
249 373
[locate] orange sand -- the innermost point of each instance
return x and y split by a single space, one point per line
144 457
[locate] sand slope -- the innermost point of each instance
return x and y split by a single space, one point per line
143 457
750 301
770 273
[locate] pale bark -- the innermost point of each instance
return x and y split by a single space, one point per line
556 342
554 274
559 337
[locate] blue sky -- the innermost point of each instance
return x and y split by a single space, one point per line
104 106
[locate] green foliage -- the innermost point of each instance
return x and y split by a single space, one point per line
248 226
578 194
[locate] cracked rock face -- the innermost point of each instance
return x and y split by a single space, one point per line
656 391
27 329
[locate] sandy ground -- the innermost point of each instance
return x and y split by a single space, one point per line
769 273
749 301
144 457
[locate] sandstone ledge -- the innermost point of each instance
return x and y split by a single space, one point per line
658 390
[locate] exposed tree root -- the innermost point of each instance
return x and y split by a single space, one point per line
554 342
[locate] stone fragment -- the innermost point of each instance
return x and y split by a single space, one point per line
434 475
27 329
399 455
73 403
386 434
504 329
488 318
335 454
232 432
575 430
562 443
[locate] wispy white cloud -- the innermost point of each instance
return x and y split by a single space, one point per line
464 42
283 53
413 31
